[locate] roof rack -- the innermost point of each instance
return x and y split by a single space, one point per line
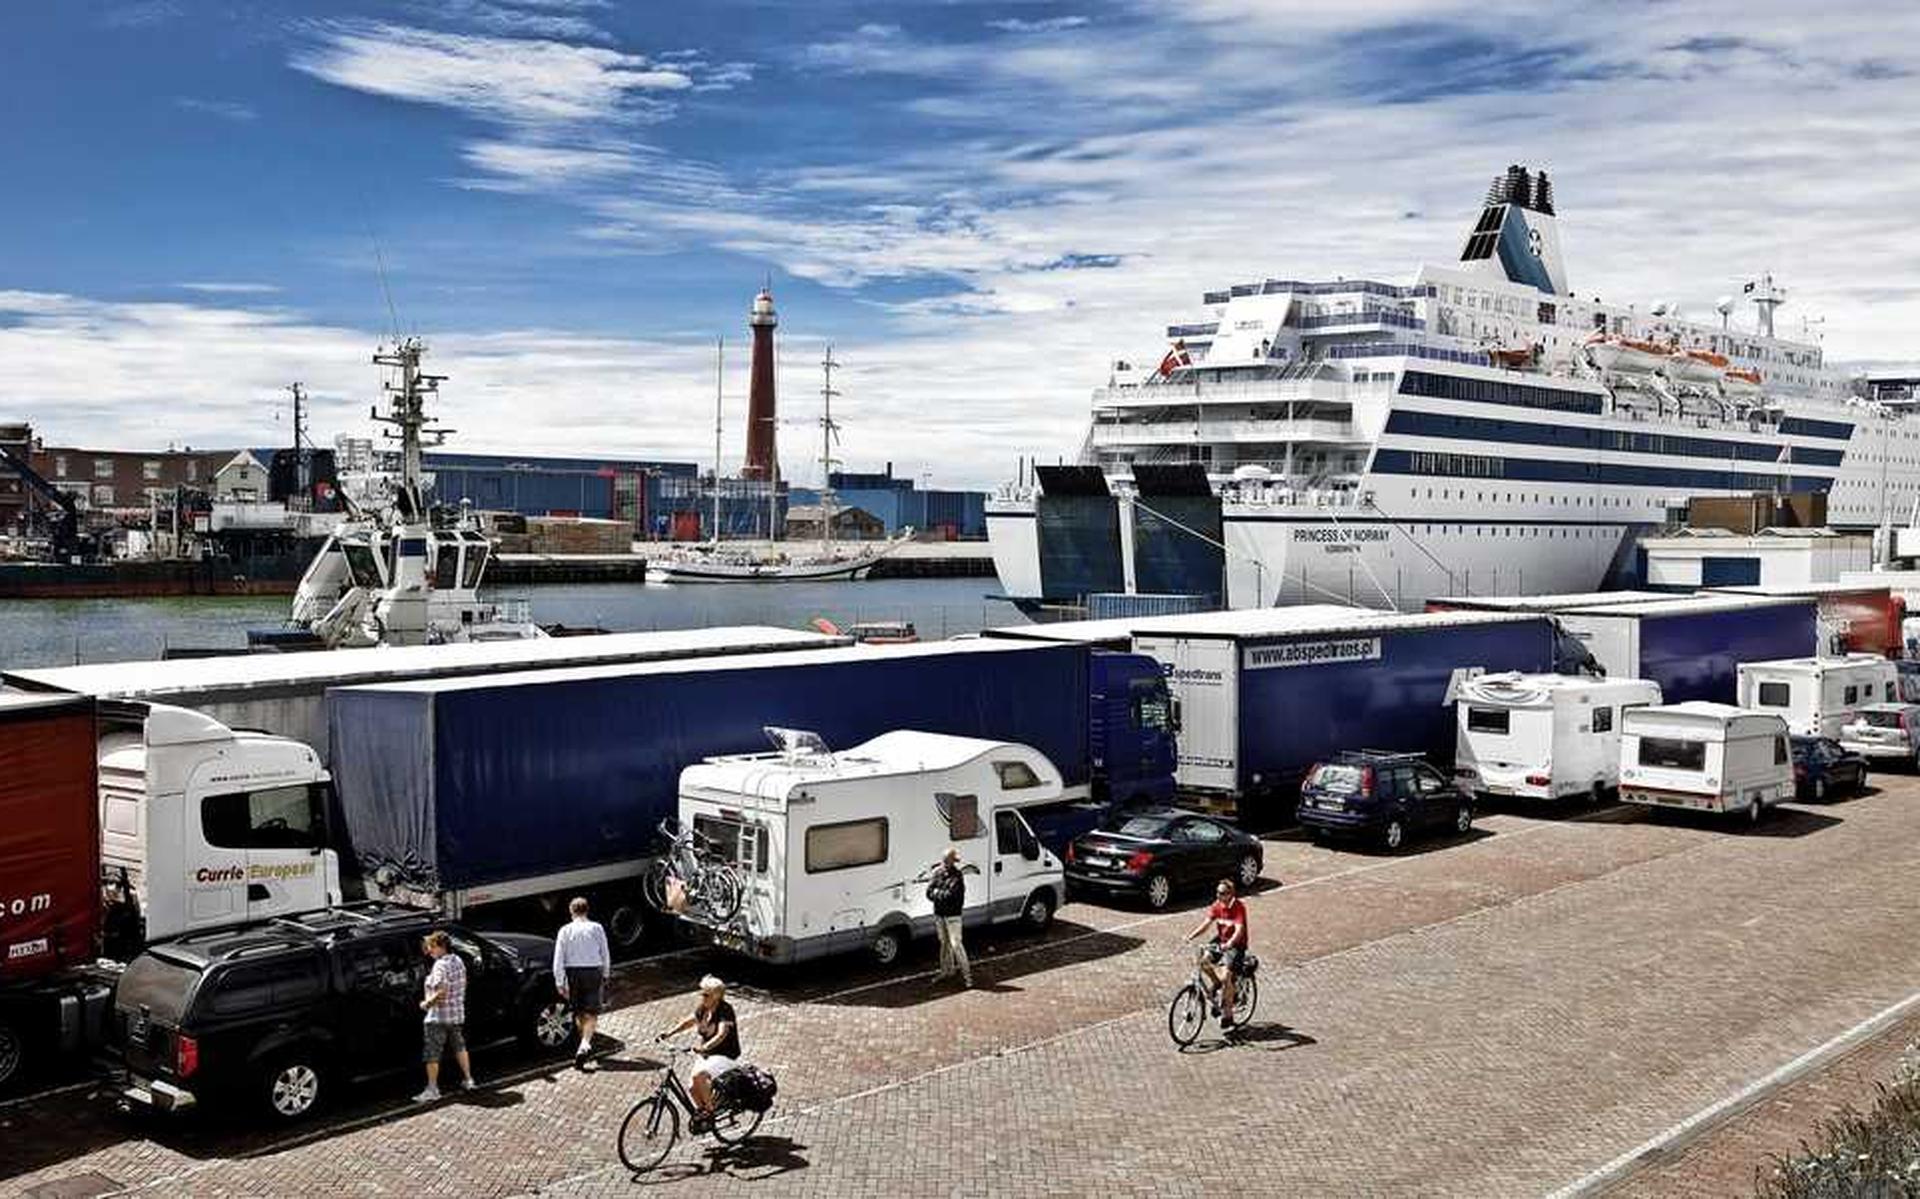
1376 755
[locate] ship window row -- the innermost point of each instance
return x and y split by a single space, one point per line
1472 466
1548 499
1582 437
1338 287
1489 391
1406 349
1406 462
1366 316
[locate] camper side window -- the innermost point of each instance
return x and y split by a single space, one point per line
1015 776
1774 695
846 845
1853 696
963 815
1603 720
1489 720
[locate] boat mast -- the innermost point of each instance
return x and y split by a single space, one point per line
828 431
407 407
719 382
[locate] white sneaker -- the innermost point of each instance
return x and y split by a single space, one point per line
467 1084
430 1095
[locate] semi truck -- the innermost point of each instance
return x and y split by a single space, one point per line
124 824
462 793
1264 694
286 693
1693 645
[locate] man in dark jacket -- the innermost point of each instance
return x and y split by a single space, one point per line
948 891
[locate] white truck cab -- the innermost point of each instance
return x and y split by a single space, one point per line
833 847
209 826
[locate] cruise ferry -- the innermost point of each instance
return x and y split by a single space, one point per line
1480 430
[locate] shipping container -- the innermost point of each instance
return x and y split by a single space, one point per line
1693 645
1266 693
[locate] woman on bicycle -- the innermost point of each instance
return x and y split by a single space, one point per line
719 1032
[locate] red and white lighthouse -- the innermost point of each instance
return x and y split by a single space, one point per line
762 459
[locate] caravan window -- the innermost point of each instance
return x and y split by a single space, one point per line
1015 776
1603 720
1489 720
1774 695
846 845
743 845
1673 753
963 815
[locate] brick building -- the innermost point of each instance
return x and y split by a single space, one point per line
108 479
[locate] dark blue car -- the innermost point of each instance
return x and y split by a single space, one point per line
1386 797
1822 766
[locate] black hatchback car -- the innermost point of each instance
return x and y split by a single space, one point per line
276 1016
1384 796
1151 853
1822 766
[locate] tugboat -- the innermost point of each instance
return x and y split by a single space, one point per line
398 572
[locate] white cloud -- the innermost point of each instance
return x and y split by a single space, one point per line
518 81
225 288
227 110
1045 25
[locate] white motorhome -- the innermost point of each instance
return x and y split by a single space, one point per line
1818 696
1544 736
1704 756
210 826
833 847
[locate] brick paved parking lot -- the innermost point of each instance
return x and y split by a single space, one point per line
1502 1014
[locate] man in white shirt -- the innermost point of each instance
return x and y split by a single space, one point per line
581 963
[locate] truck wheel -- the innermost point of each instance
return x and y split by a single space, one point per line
13 1055
626 927
887 946
1394 835
289 1086
1039 910
1158 891
1599 795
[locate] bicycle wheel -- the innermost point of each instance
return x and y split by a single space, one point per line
653 885
721 892
732 1125
1246 997
1186 1014
648 1133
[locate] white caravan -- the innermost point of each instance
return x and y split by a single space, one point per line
833 848
1544 736
1818 696
210 826
1708 757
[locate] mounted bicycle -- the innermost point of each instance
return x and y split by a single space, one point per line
690 877
742 1097
1200 997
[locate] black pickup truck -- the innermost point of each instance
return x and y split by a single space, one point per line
279 1015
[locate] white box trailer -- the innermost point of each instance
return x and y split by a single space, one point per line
832 847
1707 757
1544 736
1818 696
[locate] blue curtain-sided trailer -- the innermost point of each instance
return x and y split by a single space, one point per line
1693 645
468 791
1265 694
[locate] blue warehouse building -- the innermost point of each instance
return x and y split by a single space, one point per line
949 515
650 494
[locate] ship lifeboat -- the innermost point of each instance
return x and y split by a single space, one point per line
1511 359
1694 366
1740 383
1627 356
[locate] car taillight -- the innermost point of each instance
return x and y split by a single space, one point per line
186 1056
1366 780
1539 780
1069 853
1138 860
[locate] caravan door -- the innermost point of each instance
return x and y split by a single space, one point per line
1019 866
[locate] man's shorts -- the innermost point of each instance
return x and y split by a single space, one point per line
713 1066
584 987
1232 956
439 1038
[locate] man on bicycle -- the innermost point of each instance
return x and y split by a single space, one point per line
1227 917
719 1032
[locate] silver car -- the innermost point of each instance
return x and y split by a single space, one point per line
1884 732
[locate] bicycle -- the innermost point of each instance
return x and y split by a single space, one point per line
713 887
1192 1003
652 1126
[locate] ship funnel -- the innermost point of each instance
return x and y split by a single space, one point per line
1517 236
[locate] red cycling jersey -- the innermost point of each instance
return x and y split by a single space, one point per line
1229 922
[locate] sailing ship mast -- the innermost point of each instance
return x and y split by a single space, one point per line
828 431
719 382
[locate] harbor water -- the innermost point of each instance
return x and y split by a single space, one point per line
60 632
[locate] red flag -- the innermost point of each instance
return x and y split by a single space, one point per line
1176 357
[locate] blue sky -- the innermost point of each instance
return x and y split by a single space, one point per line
980 204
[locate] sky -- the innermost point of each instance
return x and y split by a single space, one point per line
978 205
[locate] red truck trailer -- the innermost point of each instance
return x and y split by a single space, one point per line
1854 618
50 880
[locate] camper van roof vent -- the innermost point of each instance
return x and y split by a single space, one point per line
797 743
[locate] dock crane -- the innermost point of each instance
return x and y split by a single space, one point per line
66 536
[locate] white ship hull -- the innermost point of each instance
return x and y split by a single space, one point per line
757 572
